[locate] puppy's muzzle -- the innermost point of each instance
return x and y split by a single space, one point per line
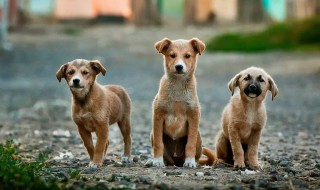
179 68
253 90
76 83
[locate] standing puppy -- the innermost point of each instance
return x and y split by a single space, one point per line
244 118
96 107
175 135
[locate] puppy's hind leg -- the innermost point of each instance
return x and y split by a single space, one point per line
222 151
125 128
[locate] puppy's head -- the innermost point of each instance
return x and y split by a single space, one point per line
254 84
180 56
80 74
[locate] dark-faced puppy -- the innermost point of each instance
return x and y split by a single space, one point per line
244 118
175 135
96 107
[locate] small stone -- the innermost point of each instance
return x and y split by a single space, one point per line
162 186
144 157
263 183
246 180
315 173
199 174
102 185
277 177
290 170
318 165
173 172
118 164
284 163
145 180
135 159
207 173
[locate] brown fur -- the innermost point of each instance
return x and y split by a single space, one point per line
243 119
96 107
175 136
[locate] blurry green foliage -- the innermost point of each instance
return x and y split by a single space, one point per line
296 35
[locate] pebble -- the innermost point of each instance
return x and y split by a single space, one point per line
117 164
317 165
284 163
135 159
145 180
102 185
315 173
173 172
199 174
207 173
162 186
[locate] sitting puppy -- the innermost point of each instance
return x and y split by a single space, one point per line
244 118
96 107
175 136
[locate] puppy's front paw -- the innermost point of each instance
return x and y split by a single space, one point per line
240 165
190 163
94 165
126 159
155 162
254 165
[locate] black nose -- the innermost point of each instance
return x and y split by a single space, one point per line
179 68
252 87
76 81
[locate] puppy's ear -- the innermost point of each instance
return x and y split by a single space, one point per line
273 88
97 66
233 83
61 73
198 45
162 45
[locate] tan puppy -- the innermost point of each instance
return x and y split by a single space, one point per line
175 135
96 107
244 118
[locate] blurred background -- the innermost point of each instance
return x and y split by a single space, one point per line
281 36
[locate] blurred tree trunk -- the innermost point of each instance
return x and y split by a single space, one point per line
146 12
250 11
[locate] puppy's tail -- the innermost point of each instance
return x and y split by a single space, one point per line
211 157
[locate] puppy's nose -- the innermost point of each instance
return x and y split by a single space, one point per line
252 87
179 68
76 81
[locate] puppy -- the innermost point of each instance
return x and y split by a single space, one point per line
96 107
244 118
175 136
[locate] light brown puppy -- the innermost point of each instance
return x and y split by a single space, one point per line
244 118
96 107
175 135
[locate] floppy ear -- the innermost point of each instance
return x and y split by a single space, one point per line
61 73
163 45
97 66
198 45
273 88
233 83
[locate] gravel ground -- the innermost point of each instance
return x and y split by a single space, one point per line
35 107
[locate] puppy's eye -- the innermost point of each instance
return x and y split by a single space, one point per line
173 55
247 78
70 72
187 56
85 72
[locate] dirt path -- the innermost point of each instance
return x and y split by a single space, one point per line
35 107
